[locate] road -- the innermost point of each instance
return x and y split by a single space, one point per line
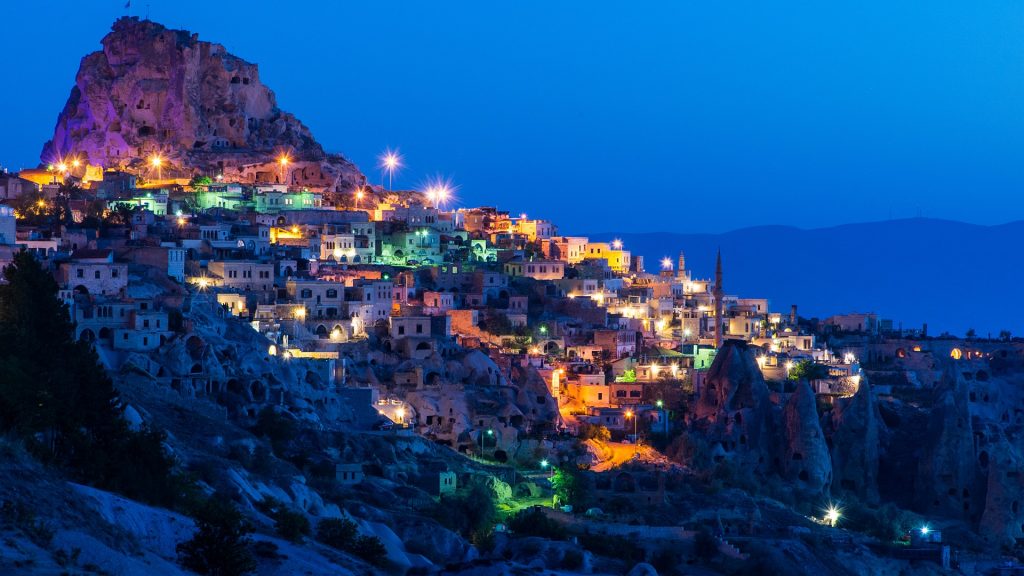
614 454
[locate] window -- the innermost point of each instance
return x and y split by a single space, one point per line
113 273
401 330
80 273
97 274
419 328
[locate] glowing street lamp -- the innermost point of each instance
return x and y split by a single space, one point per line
283 161
400 414
666 263
76 163
832 515
300 313
630 415
390 162
617 244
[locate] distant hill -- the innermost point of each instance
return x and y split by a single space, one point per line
952 275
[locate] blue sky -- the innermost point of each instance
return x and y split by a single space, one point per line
605 116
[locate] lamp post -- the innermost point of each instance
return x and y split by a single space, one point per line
636 448
389 162
283 163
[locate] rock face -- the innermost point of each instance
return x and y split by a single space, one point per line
946 474
805 457
854 428
734 409
152 90
738 418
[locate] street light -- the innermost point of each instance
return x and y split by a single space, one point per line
832 515
629 415
390 162
666 263
283 161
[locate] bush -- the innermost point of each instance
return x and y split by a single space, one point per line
221 545
705 546
534 522
277 428
291 525
370 548
588 431
339 533
572 560
342 534
469 512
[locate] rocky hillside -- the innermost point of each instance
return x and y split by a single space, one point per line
152 90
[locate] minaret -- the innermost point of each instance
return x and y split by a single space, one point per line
719 295
681 270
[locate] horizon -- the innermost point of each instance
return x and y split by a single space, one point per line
645 126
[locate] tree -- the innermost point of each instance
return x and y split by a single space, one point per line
971 334
1005 335
57 398
808 370
470 512
342 534
221 545
200 182
571 486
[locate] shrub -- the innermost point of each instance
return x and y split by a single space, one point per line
339 533
534 522
342 534
469 512
291 525
221 545
370 548
705 546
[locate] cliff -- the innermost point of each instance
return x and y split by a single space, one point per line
155 91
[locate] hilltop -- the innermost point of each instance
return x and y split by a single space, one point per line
153 91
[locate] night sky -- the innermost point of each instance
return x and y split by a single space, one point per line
682 116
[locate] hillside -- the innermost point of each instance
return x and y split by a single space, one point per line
947 274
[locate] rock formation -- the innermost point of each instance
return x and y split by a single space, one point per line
734 410
854 426
805 458
155 91
946 473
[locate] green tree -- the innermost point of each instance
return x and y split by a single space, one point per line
571 486
808 370
200 182
470 512
221 545
57 398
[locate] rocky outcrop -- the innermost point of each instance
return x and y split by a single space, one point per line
854 428
1002 521
805 458
946 474
156 91
734 410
